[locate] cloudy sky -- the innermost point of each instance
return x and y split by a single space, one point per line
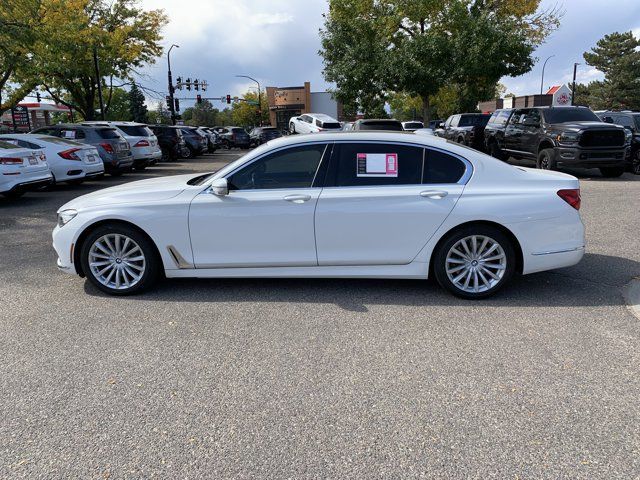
277 42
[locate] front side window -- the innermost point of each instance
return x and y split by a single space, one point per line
291 168
366 164
440 167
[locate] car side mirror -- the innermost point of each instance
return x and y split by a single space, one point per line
220 187
607 119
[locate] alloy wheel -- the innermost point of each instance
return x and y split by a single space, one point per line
476 264
117 261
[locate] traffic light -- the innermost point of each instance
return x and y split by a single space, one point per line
198 99
195 84
168 100
38 96
228 98
189 84
177 103
179 83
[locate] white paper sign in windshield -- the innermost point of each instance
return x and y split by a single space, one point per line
377 165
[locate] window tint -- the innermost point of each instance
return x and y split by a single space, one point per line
455 121
238 130
291 168
625 121
59 141
364 164
500 117
382 125
71 134
413 125
135 130
441 167
569 114
25 144
330 125
473 120
107 133
7 146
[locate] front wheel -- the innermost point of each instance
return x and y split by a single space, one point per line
474 262
612 172
119 260
546 160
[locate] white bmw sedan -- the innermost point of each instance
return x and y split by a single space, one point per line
356 205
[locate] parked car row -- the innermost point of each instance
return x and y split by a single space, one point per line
73 153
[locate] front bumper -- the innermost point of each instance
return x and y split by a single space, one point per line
63 244
591 157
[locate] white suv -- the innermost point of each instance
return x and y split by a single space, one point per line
314 123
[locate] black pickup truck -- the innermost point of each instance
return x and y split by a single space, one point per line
465 128
553 137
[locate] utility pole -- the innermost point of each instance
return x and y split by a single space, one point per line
259 98
573 88
172 106
95 64
542 79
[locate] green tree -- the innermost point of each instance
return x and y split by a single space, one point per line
118 107
137 108
373 47
122 35
203 114
245 111
160 115
616 55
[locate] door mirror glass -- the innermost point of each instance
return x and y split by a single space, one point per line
220 187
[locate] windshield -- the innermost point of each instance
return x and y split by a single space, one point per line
569 114
474 120
637 120
394 126
108 133
136 130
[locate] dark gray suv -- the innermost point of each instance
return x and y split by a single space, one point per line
114 150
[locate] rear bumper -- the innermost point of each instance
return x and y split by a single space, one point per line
29 185
591 157
119 164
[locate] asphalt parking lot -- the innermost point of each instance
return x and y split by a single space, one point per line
319 378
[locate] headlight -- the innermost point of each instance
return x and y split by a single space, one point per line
568 137
66 216
628 136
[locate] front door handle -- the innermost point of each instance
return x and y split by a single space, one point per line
435 194
297 198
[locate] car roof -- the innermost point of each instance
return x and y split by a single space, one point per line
377 120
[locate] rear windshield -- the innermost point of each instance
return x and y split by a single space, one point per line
59 141
108 133
394 126
569 114
136 130
269 129
331 125
7 145
413 125
238 130
473 120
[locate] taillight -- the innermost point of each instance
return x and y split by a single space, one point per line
571 196
69 154
142 143
107 147
11 161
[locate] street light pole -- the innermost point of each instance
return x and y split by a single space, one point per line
172 106
259 97
97 69
573 87
543 67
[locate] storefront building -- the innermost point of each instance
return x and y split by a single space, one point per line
287 102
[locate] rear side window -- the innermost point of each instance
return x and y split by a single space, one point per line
107 133
440 167
473 120
72 134
365 164
238 130
135 130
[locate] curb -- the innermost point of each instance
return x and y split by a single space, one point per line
632 296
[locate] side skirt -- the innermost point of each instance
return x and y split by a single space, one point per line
414 270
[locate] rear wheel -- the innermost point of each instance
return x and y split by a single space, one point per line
119 260
612 172
474 262
546 160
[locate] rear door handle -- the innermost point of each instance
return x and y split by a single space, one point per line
435 194
297 198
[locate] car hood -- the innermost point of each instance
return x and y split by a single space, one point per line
585 126
143 191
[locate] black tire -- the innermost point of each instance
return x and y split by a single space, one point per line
140 168
546 159
439 260
14 194
152 262
188 153
612 172
635 166
494 151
